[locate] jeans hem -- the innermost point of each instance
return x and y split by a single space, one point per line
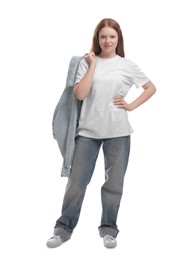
108 230
63 232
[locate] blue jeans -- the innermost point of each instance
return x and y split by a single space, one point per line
116 155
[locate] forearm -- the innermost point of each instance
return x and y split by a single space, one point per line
148 92
83 88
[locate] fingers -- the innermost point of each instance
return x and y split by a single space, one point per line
90 57
90 54
119 102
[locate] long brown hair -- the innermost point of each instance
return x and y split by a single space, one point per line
108 22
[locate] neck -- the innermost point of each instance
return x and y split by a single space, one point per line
107 55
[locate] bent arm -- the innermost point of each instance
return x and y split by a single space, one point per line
149 90
83 88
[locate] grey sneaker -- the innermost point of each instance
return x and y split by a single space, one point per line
109 241
55 241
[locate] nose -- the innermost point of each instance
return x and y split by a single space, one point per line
107 40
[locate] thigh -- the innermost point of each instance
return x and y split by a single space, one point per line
84 160
116 154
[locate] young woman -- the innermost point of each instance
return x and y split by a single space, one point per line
103 79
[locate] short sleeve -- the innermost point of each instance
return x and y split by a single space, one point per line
82 69
138 77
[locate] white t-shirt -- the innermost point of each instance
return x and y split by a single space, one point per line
99 117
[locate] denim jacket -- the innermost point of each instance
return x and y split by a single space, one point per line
65 118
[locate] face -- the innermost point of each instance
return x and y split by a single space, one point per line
108 40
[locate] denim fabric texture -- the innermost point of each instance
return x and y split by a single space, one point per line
65 118
116 156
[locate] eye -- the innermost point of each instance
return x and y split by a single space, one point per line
102 37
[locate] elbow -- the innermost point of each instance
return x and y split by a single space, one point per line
153 90
79 97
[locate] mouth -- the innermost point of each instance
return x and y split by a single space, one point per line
107 46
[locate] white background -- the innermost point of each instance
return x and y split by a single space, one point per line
37 40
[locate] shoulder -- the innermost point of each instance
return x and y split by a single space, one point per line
130 65
126 61
83 64
83 61
75 60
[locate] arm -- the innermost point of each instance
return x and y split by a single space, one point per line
83 88
149 90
